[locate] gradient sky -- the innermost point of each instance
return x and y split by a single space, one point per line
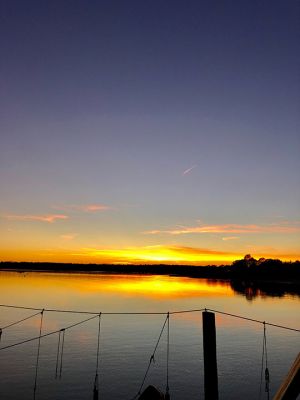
149 131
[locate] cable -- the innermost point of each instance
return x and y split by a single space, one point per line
103 313
153 313
57 354
62 351
264 360
17 322
21 320
167 395
151 358
267 374
187 311
46 334
95 315
253 320
96 381
262 365
84 312
98 343
38 355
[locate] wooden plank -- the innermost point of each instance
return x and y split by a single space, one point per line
290 387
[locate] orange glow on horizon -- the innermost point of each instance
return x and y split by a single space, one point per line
161 254
135 255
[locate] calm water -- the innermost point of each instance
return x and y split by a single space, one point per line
127 341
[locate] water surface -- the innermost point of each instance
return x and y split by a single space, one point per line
127 341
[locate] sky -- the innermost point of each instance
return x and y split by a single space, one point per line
149 131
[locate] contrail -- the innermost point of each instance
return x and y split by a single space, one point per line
187 171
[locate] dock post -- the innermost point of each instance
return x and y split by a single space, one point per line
210 356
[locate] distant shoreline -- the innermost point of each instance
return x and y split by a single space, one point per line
183 274
270 270
275 279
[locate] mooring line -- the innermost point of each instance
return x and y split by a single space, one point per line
46 334
95 314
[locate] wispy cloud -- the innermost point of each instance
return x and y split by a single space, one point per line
94 207
154 232
88 208
230 238
229 228
187 171
49 218
69 236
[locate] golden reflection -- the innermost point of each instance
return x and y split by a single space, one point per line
162 286
156 286
142 293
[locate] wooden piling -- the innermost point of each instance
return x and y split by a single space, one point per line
210 356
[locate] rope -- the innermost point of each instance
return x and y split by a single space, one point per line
96 388
96 381
167 395
46 334
62 331
87 312
264 363
253 320
21 320
62 352
98 343
152 313
38 355
60 349
151 358
17 322
267 374
130 313
103 313
57 354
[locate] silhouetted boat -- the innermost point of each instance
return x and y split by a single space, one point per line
151 393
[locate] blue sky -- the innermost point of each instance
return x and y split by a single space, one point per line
109 102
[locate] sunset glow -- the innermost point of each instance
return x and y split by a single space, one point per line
160 254
140 142
150 186
144 255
